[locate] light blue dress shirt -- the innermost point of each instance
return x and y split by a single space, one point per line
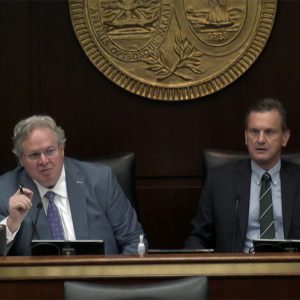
253 231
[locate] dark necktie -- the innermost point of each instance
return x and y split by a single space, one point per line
267 228
54 218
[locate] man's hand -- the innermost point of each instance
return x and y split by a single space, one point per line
19 205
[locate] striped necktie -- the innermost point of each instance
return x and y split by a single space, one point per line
267 228
54 218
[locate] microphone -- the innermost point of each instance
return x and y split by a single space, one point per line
39 206
2 239
237 202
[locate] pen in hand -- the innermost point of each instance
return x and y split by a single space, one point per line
25 191
21 189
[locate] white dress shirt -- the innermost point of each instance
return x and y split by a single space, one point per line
62 202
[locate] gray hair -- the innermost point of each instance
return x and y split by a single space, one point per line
25 127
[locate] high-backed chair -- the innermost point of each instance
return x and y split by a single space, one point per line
190 288
218 157
123 166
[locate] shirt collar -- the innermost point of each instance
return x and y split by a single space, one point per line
257 172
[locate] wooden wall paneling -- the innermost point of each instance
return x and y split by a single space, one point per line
166 209
14 73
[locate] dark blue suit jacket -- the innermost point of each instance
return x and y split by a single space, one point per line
99 208
221 221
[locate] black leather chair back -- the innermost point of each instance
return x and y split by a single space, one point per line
219 157
123 167
190 288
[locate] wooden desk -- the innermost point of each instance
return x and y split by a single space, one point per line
239 276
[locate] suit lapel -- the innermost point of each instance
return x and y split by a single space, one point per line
76 188
242 190
288 192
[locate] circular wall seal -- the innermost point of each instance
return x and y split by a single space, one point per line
172 49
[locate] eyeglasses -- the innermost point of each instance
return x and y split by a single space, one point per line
35 156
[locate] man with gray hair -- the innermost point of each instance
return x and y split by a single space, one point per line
80 200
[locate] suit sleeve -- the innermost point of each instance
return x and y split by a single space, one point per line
123 218
202 234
